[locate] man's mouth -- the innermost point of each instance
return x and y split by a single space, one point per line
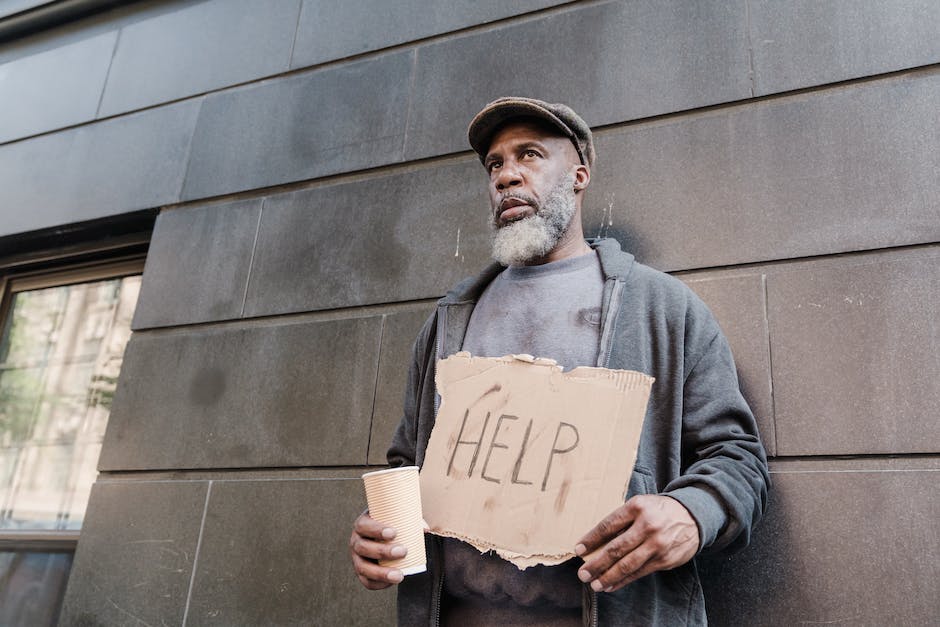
512 209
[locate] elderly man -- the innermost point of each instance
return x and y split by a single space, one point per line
700 481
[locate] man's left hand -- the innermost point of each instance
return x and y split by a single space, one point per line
646 534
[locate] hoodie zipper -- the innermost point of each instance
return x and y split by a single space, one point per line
437 605
588 599
607 330
593 608
607 342
441 331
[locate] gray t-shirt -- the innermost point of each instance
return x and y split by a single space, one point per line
552 310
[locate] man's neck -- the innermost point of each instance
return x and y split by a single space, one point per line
571 244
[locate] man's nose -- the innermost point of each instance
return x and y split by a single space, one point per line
508 176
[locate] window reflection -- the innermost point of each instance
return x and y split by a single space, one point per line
60 355
32 585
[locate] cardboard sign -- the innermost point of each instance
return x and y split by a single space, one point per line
524 458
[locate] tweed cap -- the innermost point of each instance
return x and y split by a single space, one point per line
485 124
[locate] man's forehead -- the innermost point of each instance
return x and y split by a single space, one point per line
527 129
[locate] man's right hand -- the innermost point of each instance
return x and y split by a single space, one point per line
371 541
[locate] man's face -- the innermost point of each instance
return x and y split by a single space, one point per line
532 175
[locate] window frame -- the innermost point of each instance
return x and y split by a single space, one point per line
54 270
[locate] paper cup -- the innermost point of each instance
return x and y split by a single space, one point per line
394 498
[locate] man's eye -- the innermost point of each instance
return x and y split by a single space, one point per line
531 153
494 165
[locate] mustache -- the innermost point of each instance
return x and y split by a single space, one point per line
522 198
529 200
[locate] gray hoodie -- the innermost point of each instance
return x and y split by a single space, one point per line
699 443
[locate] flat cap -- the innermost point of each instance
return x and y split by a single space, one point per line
485 124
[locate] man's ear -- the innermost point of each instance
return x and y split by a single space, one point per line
582 178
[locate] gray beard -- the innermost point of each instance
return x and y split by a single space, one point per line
533 237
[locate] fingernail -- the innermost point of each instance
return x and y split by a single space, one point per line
395 576
584 575
580 549
398 551
388 533
596 585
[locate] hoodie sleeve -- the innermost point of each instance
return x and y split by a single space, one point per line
725 478
403 449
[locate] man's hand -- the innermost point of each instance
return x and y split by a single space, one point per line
369 542
646 534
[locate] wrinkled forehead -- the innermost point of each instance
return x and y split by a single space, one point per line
531 128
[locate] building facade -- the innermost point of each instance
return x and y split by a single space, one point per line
292 179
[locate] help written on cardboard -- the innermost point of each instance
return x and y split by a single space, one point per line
525 458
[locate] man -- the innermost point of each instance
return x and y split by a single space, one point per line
700 481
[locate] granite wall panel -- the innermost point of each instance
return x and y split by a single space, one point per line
390 238
284 560
398 337
855 354
837 547
737 300
834 170
612 62
850 168
300 127
102 169
199 48
805 43
135 559
53 89
197 265
11 7
297 394
329 30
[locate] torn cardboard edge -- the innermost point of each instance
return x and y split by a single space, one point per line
525 458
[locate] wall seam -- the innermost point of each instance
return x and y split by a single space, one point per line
446 36
750 45
411 92
852 471
459 32
107 76
293 43
192 576
415 164
189 151
930 461
770 362
375 387
251 259
349 59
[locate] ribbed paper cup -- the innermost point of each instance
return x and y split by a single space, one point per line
394 498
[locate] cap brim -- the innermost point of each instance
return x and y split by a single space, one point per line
487 122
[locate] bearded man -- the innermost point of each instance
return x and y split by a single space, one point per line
700 480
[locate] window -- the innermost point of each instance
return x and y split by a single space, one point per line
62 338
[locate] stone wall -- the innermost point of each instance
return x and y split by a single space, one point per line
316 194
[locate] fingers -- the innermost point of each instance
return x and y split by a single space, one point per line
606 530
369 543
617 559
662 535
373 576
607 574
372 550
371 528
648 568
